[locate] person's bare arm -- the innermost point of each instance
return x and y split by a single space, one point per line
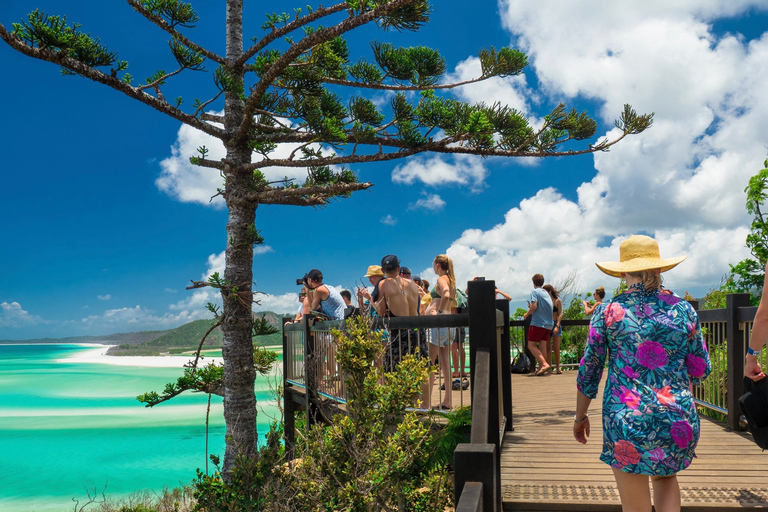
505 295
531 309
752 367
581 420
312 302
445 294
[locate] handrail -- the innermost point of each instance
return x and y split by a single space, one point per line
477 464
471 498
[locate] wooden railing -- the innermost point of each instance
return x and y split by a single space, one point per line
727 333
477 464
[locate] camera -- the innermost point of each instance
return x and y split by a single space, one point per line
301 281
480 278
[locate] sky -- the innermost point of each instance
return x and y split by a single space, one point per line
105 222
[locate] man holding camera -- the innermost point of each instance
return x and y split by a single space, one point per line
322 297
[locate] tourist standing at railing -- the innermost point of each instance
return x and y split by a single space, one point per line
322 297
365 298
557 330
443 299
759 335
599 296
540 311
655 352
399 297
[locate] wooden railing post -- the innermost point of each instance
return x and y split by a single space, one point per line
289 406
482 336
478 463
482 460
735 354
506 363
311 366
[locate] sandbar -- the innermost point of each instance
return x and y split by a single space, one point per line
97 354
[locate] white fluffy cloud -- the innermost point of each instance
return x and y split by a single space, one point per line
430 202
12 315
682 181
440 170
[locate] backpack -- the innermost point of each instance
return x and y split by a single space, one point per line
521 364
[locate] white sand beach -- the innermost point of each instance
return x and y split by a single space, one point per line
97 354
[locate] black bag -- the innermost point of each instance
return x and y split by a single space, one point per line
521 364
754 406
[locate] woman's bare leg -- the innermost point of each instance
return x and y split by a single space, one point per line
556 352
445 353
634 491
433 351
666 493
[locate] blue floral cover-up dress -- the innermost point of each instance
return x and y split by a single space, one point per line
655 350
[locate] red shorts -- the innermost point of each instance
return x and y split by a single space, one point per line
538 333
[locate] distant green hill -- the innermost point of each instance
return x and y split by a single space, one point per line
172 341
187 337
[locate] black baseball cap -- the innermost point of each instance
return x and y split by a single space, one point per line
405 270
389 262
314 274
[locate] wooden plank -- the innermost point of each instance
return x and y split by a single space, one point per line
544 468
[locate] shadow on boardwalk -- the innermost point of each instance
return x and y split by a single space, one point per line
544 468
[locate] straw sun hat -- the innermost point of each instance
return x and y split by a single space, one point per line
638 253
374 270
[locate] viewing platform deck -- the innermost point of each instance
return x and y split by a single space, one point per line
544 468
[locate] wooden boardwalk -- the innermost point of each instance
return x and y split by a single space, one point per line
544 468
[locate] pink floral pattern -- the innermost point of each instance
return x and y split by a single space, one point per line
655 350
651 354
626 453
613 313
630 398
682 433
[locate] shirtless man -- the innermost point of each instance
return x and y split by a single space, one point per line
400 297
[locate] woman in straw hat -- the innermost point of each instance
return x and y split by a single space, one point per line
655 352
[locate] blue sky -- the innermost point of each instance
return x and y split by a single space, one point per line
105 223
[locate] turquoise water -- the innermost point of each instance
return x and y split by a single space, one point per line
66 426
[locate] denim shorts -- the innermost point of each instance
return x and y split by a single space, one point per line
557 331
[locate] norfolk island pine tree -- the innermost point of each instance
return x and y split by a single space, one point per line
297 84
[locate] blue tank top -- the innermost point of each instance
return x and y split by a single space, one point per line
334 305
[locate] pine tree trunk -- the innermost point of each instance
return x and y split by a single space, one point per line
237 349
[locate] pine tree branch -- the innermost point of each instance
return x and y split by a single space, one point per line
385 87
160 22
60 58
290 27
319 195
287 58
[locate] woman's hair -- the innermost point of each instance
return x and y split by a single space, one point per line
446 264
600 292
551 290
651 279
425 284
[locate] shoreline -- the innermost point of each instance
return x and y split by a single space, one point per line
98 355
